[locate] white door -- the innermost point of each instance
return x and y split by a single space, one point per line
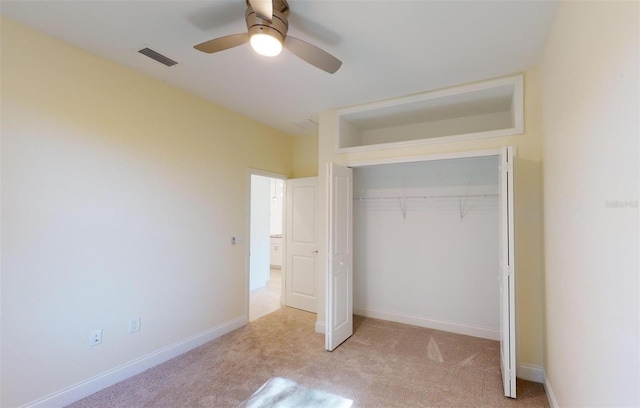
301 266
339 302
506 275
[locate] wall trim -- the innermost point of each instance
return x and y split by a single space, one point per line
426 157
453 327
553 402
530 373
320 327
99 382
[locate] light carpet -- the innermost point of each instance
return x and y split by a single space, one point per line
383 364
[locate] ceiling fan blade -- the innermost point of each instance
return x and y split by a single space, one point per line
263 8
222 43
312 54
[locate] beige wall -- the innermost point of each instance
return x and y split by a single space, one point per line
590 114
120 195
528 211
305 156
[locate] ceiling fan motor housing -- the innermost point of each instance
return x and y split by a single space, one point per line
277 27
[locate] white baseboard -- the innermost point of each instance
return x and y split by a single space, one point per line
530 373
452 327
320 328
85 388
553 403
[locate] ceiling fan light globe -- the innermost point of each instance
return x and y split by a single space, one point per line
265 44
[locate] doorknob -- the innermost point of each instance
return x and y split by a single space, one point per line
314 252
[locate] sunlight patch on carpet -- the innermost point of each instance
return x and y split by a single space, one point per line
280 392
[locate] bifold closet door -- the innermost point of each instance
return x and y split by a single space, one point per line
340 257
506 275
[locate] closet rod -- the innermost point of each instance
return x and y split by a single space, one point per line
427 197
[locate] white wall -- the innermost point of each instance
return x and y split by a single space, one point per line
430 267
120 195
260 225
590 104
276 189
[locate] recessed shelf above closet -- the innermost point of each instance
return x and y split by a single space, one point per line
486 109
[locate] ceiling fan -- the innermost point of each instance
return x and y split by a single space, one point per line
267 27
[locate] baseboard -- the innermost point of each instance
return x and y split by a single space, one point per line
553 403
452 327
320 327
83 389
530 373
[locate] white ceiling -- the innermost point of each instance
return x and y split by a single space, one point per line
389 48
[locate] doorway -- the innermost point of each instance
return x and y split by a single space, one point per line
266 245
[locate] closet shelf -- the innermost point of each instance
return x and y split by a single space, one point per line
426 197
403 201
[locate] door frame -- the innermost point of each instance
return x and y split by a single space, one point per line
247 248
499 152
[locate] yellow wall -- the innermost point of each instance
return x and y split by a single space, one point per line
591 104
120 195
305 157
528 202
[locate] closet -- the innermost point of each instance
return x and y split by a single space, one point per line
425 244
428 241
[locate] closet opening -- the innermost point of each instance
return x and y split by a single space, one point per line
428 242
425 244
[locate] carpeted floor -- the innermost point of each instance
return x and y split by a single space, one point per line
383 364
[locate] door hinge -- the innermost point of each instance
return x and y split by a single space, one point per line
507 167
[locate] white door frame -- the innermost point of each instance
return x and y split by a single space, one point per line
457 155
257 172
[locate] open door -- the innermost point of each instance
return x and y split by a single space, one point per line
339 302
506 275
301 264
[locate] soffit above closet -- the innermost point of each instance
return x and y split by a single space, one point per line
454 106
479 110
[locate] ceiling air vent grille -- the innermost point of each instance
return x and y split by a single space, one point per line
157 56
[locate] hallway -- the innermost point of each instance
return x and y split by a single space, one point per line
266 300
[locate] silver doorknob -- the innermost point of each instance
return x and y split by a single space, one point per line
314 252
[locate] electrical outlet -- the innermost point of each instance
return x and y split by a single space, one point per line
134 324
95 337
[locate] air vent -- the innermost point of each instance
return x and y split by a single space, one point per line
157 56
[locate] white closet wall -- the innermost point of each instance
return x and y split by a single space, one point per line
426 244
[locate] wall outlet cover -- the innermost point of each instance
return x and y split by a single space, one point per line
134 324
95 337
